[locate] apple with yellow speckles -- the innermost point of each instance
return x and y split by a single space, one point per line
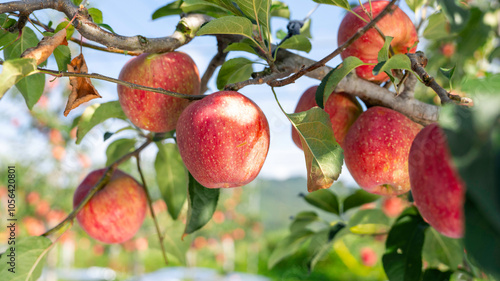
173 71
223 139
376 150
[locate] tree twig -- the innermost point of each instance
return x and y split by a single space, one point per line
340 49
98 186
216 61
185 31
150 203
257 81
121 82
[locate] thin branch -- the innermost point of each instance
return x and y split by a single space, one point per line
185 31
216 61
121 82
418 62
98 186
150 203
340 49
257 81
409 85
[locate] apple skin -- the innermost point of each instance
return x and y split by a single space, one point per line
116 212
223 139
342 108
174 71
376 150
437 189
396 24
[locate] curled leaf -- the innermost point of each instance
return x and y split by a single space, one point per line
46 47
82 89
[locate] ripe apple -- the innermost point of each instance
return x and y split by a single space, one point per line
174 71
436 186
116 212
223 139
396 24
376 150
342 108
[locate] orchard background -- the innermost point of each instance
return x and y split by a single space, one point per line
273 226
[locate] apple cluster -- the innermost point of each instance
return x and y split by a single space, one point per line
223 139
386 152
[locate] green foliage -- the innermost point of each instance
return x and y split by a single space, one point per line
403 256
436 27
370 222
324 199
173 8
119 148
441 250
332 79
62 55
234 70
14 71
202 202
172 177
96 114
323 154
228 25
30 258
297 42
340 3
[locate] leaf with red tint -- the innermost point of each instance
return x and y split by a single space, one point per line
82 89
46 47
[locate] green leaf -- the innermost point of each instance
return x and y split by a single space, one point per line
5 36
96 15
228 25
332 79
383 54
371 222
172 177
399 61
205 7
106 26
69 29
228 5
281 34
414 4
13 71
257 10
95 114
324 199
173 8
436 28
31 87
280 9
176 244
241 46
403 255
288 246
202 202
340 3
322 244
30 252
495 54
234 70
439 249
62 55
447 72
118 148
297 42
437 275
358 198
302 220
323 154
306 29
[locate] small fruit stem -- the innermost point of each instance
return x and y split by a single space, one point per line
99 185
150 203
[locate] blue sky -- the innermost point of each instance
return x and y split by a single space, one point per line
130 18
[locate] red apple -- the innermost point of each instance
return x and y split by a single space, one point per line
223 139
436 186
396 24
116 212
172 71
376 150
342 108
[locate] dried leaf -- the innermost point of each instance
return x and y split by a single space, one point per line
46 47
82 89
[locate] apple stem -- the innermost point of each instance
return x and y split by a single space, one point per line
150 203
98 186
